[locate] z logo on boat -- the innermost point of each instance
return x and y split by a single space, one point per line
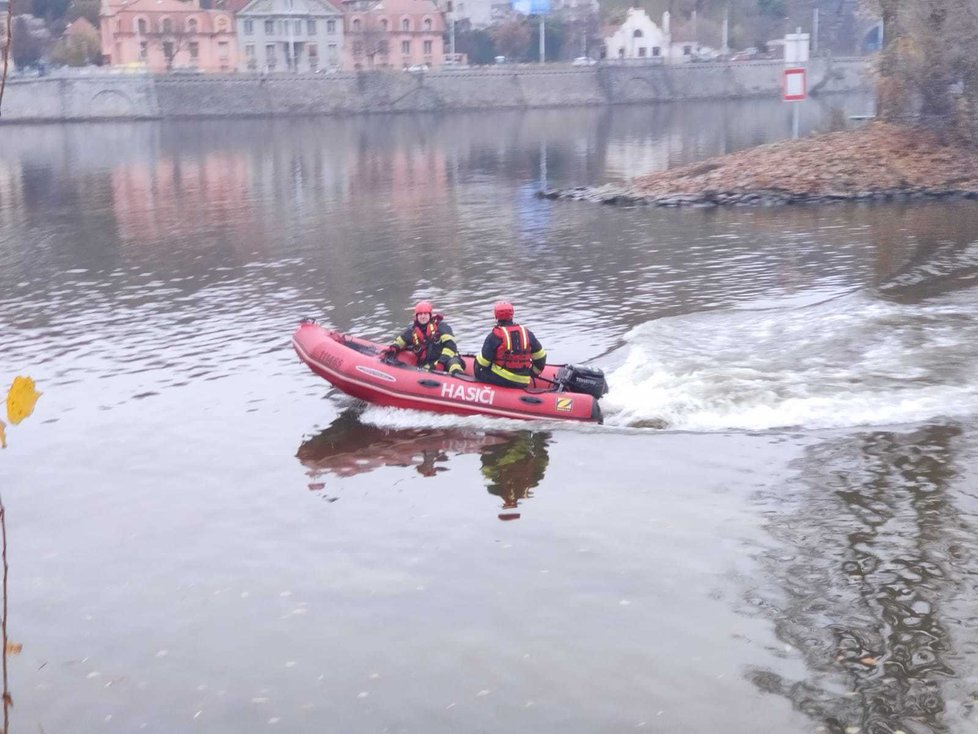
483 395
376 373
565 405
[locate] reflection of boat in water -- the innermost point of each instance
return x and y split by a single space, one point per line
349 447
513 463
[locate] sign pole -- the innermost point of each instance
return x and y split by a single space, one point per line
795 75
543 42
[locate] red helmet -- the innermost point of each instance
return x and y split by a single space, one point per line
503 311
422 307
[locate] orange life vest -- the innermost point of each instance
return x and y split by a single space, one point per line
513 352
424 340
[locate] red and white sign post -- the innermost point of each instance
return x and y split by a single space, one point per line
795 85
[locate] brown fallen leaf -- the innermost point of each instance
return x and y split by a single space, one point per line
14 648
869 660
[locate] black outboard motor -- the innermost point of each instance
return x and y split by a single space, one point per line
573 378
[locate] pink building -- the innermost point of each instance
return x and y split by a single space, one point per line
167 35
394 34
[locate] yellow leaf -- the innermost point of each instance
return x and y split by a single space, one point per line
3 435
21 399
14 648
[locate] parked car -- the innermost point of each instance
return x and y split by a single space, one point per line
747 54
584 61
417 68
706 55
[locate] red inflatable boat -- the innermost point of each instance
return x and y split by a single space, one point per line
357 367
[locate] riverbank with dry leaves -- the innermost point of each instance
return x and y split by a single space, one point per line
878 162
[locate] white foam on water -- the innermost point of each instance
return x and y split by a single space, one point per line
852 361
400 418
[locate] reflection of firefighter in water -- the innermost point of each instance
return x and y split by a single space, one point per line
515 467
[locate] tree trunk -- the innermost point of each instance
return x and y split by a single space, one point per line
891 91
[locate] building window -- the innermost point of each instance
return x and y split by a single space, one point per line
406 47
143 50
331 26
356 25
311 27
250 52
297 27
637 33
405 25
222 24
333 53
270 56
641 51
168 50
427 24
191 25
141 25
687 50
249 27
383 48
167 25
428 48
656 51
223 50
313 56
383 24
357 48
194 49
269 27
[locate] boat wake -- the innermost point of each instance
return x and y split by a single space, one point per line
849 361
852 361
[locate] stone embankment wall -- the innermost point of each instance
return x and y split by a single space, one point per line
114 96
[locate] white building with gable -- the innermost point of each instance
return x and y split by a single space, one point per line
638 38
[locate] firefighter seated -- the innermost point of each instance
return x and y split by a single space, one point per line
511 354
430 339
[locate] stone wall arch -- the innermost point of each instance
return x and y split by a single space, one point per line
111 103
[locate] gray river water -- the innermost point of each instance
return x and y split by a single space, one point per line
774 531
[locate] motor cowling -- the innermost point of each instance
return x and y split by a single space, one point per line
589 380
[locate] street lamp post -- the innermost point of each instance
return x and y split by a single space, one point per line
291 56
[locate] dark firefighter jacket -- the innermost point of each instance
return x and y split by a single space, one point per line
431 343
491 364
